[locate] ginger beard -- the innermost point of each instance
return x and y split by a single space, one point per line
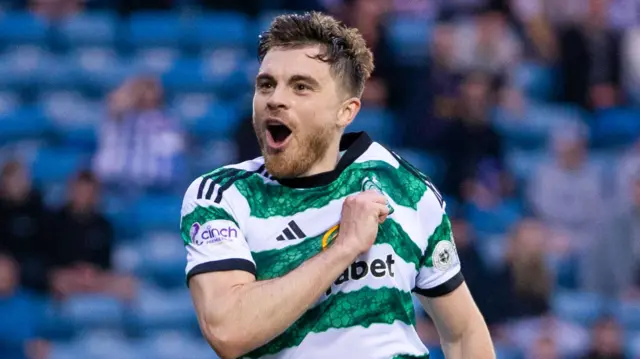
305 148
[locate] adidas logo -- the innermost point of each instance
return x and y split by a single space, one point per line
291 232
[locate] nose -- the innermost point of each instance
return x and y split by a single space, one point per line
278 99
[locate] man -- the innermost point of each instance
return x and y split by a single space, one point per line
313 250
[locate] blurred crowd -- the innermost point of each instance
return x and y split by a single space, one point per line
541 169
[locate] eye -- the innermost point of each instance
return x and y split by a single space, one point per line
264 85
302 87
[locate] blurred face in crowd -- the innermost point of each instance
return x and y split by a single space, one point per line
460 229
148 92
84 195
491 26
475 95
528 240
8 275
443 44
607 337
597 12
544 348
15 183
570 151
299 110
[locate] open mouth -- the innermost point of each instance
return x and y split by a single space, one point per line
278 134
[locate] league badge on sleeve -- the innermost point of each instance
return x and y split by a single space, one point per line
372 184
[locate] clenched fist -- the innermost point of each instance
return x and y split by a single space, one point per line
361 215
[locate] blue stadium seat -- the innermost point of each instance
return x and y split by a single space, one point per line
23 67
156 310
156 212
628 313
507 352
101 69
217 122
429 164
67 350
93 311
162 258
536 81
175 344
579 307
632 344
220 30
22 28
531 129
56 165
617 127
410 38
107 345
496 220
154 28
379 124
89 29
23 123
59 73
74 118
220 73
9 102
436 353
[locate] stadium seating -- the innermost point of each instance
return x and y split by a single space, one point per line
53 79
579 307
22 28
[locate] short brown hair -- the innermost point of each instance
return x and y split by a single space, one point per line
344 48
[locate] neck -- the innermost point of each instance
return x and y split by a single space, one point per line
328 162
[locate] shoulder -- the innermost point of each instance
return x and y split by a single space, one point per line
211 187
409 174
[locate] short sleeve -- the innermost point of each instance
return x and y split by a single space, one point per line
211 233
439 272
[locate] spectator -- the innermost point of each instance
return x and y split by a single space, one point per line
20 317
567 193
140 147
523 286
22 220
432 92
618 246
488 44
544 348
470 140
607 339
590 60
81 245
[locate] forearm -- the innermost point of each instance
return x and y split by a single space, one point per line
474 342
259 311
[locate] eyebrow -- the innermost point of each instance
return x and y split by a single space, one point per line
295 78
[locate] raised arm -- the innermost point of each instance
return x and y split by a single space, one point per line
238 314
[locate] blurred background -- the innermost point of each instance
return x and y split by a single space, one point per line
525 113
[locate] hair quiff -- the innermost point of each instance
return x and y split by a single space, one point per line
344 48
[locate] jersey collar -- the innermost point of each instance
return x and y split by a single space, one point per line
354 143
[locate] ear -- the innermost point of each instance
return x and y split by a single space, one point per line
348 111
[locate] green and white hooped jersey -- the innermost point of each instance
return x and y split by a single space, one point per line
240 218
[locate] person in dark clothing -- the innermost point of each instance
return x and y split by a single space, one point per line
607 339
22 220
81 244
470 139
523 287
590 60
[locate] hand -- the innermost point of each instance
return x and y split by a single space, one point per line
361 215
